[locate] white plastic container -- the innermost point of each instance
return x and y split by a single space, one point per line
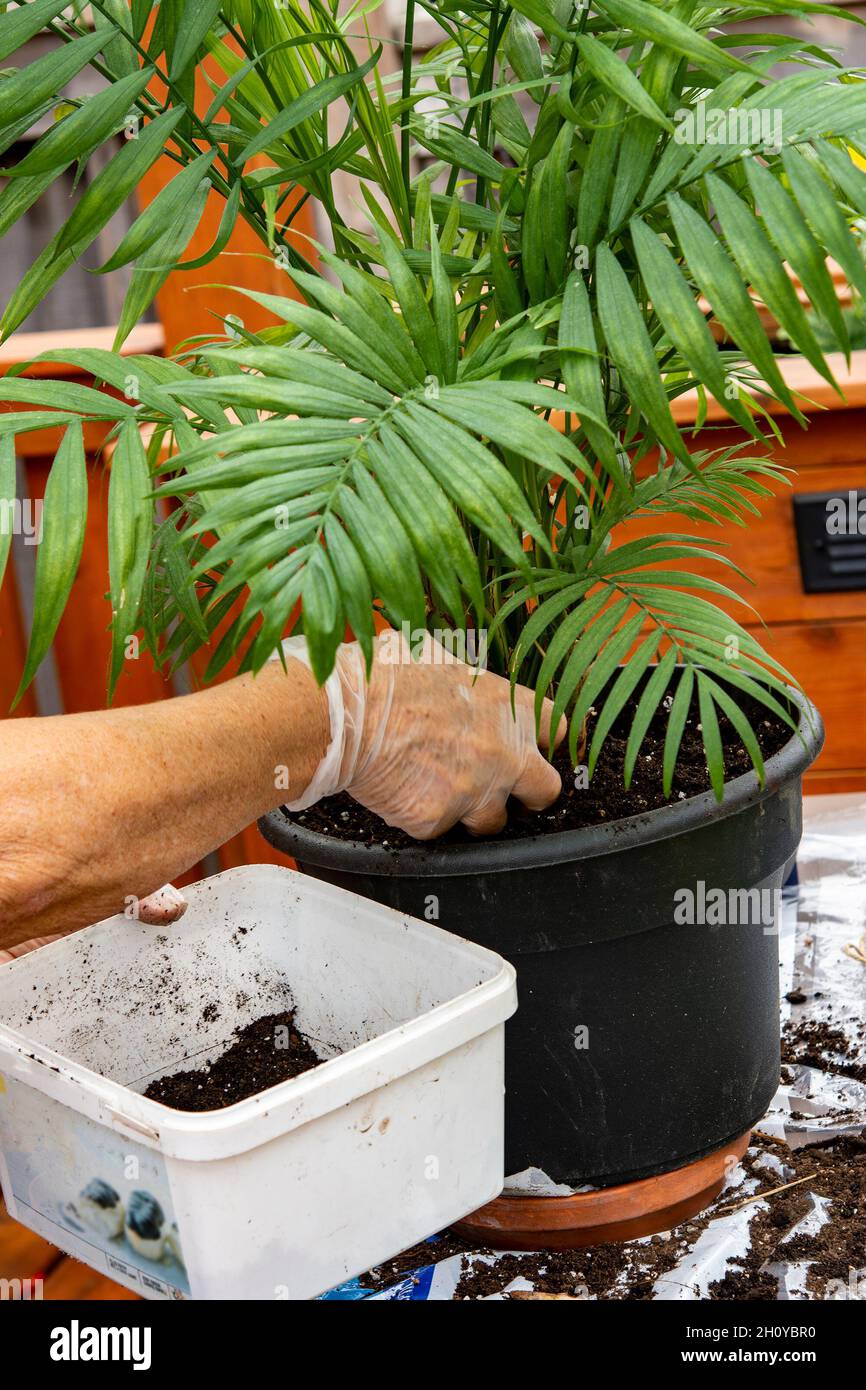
292 1191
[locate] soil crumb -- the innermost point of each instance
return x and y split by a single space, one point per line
426 1252
602 799
835 1171
628 1271
816 1043
265 1052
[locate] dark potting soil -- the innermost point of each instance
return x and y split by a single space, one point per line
557 1273
592 1273
426 1252
579 805
836 1171
627 1271
817 1043
265 1052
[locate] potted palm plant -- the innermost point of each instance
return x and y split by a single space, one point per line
448 430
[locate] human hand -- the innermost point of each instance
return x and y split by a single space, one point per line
430 741
161 908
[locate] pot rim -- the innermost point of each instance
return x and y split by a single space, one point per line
433 859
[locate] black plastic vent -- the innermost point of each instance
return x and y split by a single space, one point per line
831 538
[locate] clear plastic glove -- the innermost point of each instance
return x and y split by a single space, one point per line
429 741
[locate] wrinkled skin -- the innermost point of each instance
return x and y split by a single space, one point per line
424 743
430 741
162 908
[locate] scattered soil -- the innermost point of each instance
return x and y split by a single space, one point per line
590 1273
745 1287
604 799
816 1043
795 996
573 1273
836 1170
627 1271
265 1052
426 1252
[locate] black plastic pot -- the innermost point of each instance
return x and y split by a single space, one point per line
681 1052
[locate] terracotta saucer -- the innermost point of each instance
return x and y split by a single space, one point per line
611 1213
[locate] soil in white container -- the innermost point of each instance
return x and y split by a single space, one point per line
265 1052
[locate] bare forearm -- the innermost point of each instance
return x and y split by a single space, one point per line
98 808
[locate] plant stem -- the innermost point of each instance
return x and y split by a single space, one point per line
487 86
405 90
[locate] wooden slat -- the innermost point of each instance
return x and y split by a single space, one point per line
23 1254
827 782
43 444
251 848
766 549
801 377
829 659
147 338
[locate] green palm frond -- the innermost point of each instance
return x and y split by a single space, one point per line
281 67
476 391
379 478
625 609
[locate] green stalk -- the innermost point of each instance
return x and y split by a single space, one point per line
484 123
405 90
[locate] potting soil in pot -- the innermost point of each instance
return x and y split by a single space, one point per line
265 1052
583 803
791 1220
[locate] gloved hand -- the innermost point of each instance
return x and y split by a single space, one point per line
429 740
